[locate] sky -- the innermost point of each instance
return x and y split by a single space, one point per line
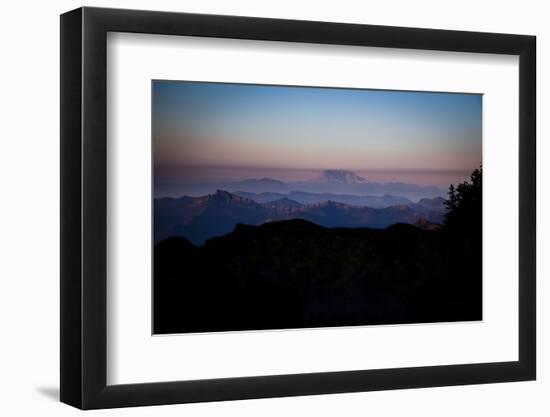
203 130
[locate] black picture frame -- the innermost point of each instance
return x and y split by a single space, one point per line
84 207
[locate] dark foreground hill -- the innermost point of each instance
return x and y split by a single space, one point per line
296 274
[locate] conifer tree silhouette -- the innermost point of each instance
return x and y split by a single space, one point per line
464 206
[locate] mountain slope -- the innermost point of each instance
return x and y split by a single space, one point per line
296 274
281 203
303 197
202 218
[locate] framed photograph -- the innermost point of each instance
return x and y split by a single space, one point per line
256 208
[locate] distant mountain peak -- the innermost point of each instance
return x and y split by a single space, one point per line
225 197
341 176
264 180
222 193
283 202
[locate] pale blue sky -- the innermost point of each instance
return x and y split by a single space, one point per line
252 126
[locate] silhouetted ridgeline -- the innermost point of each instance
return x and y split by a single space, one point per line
295 274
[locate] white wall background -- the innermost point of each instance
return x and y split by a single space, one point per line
29 210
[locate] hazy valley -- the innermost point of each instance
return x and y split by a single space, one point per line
204 217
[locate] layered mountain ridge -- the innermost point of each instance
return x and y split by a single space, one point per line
331 181
201 218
